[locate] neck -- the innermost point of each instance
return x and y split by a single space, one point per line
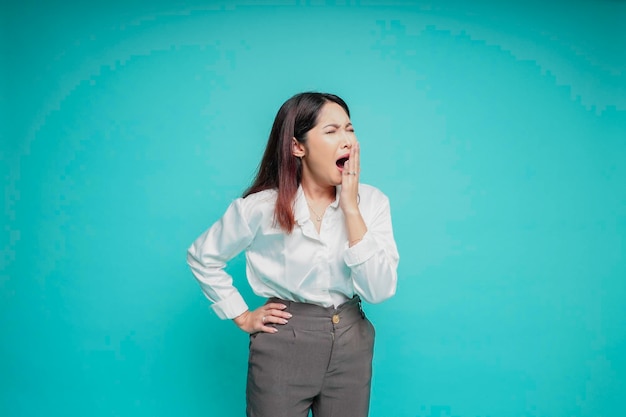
316 192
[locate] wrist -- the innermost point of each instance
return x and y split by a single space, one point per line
351 211
241 319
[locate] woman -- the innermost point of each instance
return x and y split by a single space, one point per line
316 242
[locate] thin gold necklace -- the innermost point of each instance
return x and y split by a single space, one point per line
317 216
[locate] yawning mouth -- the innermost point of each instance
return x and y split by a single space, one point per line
341 162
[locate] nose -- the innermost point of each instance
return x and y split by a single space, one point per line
348 139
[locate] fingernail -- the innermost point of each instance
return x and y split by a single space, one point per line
283 321
274 330
289 315
282 306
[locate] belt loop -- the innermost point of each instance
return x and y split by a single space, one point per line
360 307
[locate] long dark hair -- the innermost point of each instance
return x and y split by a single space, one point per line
279 168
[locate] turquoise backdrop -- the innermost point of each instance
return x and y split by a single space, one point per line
497 129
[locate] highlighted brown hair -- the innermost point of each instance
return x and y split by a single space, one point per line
279 168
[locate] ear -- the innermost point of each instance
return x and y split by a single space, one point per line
297 148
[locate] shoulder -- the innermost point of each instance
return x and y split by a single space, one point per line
261 197
257 206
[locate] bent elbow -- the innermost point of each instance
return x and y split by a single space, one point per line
383 292
381 296
191 257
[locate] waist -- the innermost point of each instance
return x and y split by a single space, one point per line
317 318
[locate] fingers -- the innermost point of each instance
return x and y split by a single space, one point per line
272 313
352 167
349 200
274 306
276 310
355 157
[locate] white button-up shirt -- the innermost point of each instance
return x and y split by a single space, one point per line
303 266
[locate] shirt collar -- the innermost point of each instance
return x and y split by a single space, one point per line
301 209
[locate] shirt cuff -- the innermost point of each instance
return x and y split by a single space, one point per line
230 307
361 251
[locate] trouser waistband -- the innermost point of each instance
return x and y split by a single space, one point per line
313 317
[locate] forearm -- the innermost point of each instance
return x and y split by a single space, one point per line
209 253
355 226
374 263
374 258
217 286
375 280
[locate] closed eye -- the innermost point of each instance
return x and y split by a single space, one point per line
330 132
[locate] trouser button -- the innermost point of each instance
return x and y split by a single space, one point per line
336 318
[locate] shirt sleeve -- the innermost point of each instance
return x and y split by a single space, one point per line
209 253
374 260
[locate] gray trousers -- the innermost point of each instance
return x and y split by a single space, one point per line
320 361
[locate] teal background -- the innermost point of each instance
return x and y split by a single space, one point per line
497 129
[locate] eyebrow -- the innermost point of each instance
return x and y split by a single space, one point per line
335 125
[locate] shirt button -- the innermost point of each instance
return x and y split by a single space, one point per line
336 319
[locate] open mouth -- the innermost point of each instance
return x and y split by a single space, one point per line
341 162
